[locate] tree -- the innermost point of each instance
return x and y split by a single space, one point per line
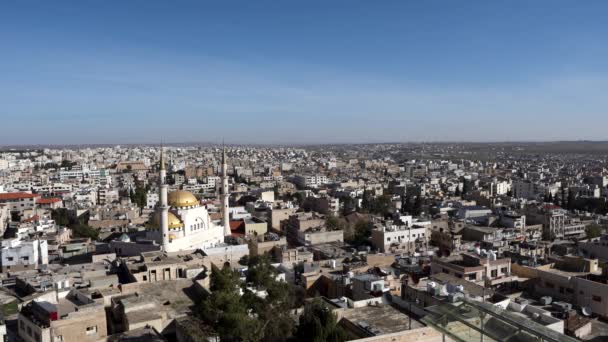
465 186
593 231
366 201
362 232
61 217
67 164
319 324
333 223
571 200
249 317
417 209
84 231
224 310
139 196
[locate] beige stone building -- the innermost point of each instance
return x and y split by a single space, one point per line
75 317
157 266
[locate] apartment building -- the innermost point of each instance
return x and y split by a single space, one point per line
278 213
5 217
24 254
75 317
49 203
574 280
310 181
526 189
19 201
556 222
53 189
481 268
399 238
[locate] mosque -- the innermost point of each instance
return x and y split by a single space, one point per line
181 223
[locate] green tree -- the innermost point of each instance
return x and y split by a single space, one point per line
366 201
593 231
319 324
225 311
61 217
249 317
571 200
417 209
139 196
84 231
359 233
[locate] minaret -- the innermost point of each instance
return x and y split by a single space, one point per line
164 206
225 196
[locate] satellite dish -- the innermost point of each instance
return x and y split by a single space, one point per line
587 311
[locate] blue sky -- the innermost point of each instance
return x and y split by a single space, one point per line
302 71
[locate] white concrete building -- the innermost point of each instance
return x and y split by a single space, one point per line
23 255
310 181
151 200
19 201
399 238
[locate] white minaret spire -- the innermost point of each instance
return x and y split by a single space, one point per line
164 206
225 195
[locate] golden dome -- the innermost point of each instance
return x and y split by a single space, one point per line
182 199
174 221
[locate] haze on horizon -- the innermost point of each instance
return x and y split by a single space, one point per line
118 72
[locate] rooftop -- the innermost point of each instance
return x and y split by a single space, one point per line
16 195
468 318
379 320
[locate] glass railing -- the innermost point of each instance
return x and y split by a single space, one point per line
469 320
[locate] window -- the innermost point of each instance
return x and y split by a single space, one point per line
597 298
549 285
504 270
9 258
472 276
92 330
494 273
445 270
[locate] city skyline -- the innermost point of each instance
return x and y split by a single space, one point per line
268 73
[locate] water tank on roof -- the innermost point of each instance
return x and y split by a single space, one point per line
587 311
546 300
562 306
455 297
492 256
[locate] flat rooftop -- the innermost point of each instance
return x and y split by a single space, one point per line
380 320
